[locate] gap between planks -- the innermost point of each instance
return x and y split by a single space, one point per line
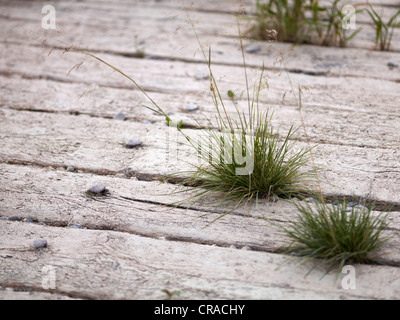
111 265
57 198
98 144
344 126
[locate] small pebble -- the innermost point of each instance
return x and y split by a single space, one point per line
146 122
28 220
348 210
328 64
119 116
392 64
352 204
75 225
97 189
273 199
253 48
310 199
202 76
232 247
152 57
15 218
39 243
361 207
133 143
191 107
3 218
160 124
335 203
70 169
246 248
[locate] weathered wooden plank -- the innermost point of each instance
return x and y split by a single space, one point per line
140 17
348 121
163 45
97 144
351 103
168 43
113 265
117 14
57 198
180 78
140 11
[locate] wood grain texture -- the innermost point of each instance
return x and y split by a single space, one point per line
112 265
96 144
132 18
146 208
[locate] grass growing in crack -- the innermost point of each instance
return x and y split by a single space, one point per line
331 233
383 31
330 30
285 17
302 21
245 166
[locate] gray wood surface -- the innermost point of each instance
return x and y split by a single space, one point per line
133 243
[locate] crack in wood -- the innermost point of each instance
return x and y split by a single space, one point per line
216 243
16 287
194 127
171 59
380 205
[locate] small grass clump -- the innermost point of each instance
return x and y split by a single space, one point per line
306 21
248 163
285 17
329 26
383 31
336 233
302 21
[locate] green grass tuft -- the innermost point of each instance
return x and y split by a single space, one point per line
301 21
383 31
331 233
272 168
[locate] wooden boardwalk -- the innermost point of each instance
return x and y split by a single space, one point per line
127 245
